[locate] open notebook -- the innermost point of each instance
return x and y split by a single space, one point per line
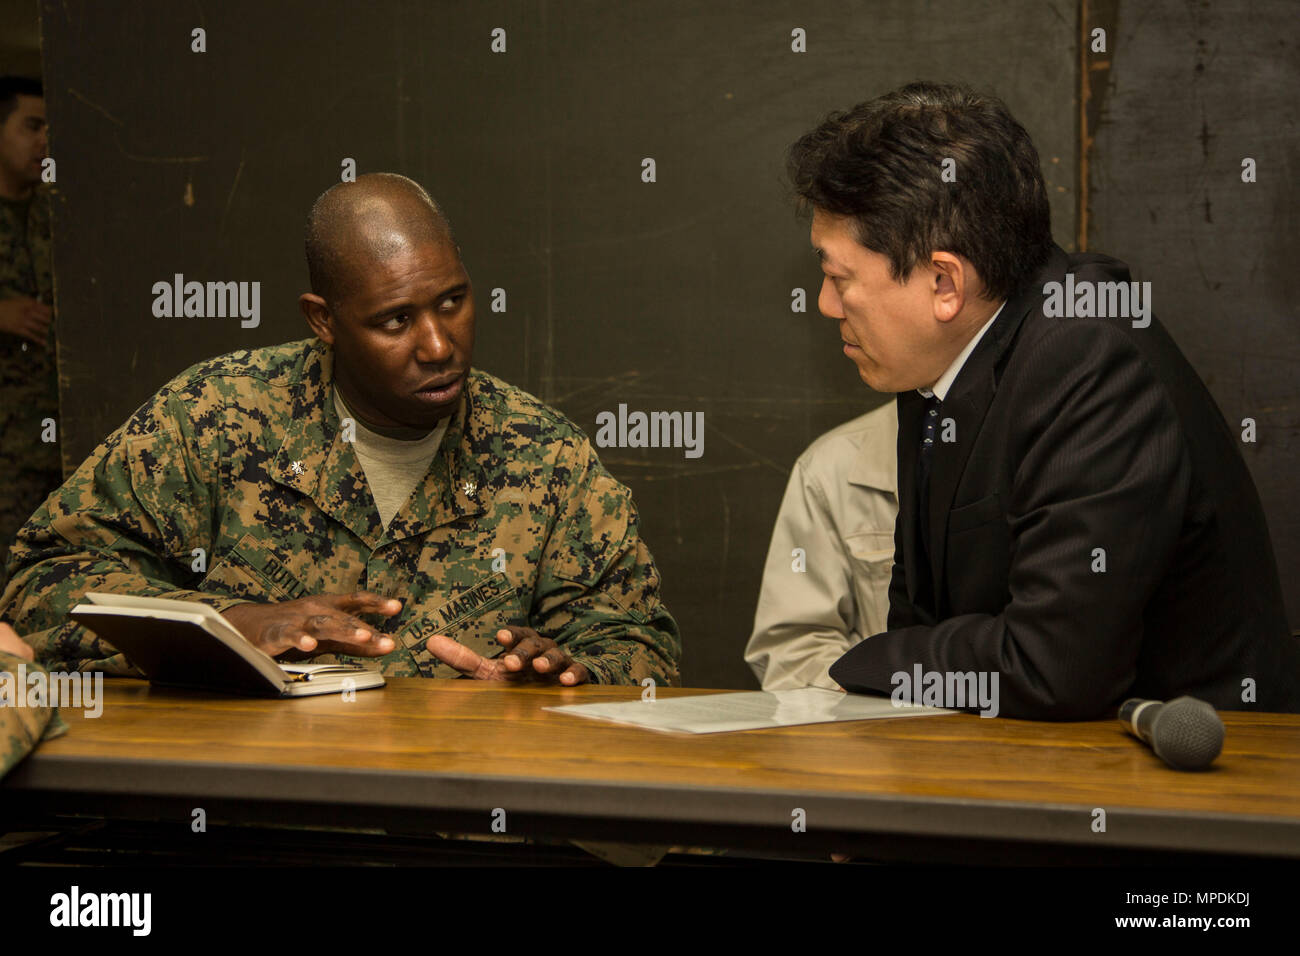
187 644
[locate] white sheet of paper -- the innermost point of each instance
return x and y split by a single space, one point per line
747 710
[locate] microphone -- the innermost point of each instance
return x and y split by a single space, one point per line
1185 733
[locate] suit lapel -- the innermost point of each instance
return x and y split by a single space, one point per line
967 404
966 410
910 408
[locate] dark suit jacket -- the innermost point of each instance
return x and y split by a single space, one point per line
1071 435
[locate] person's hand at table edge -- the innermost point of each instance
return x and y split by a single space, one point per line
13 644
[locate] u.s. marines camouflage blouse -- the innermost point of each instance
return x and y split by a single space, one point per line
236 483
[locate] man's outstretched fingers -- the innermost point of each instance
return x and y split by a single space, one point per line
510 635
575 674
523 652
349 634
457 655
552 662
367 602
337 628
281 637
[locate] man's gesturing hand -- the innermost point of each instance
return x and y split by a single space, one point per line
531 657
319 624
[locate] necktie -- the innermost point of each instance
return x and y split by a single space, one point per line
929 434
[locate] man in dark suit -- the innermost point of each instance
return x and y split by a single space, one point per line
1076 523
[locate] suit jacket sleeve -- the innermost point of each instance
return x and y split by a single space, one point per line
127 521
1102 475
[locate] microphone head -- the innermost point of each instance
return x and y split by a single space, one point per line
1187 734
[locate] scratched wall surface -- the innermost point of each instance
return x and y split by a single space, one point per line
670 296
1194 89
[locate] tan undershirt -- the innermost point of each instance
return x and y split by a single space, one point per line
393 467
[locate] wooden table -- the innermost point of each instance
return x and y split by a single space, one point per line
434 755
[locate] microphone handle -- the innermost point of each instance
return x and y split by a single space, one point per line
1145 719
1139 716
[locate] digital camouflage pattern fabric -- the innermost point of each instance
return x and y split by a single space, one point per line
22 728
29 388
241 461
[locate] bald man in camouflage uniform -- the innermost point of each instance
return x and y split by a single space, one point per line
360 494
29 391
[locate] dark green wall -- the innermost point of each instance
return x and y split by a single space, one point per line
666 296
